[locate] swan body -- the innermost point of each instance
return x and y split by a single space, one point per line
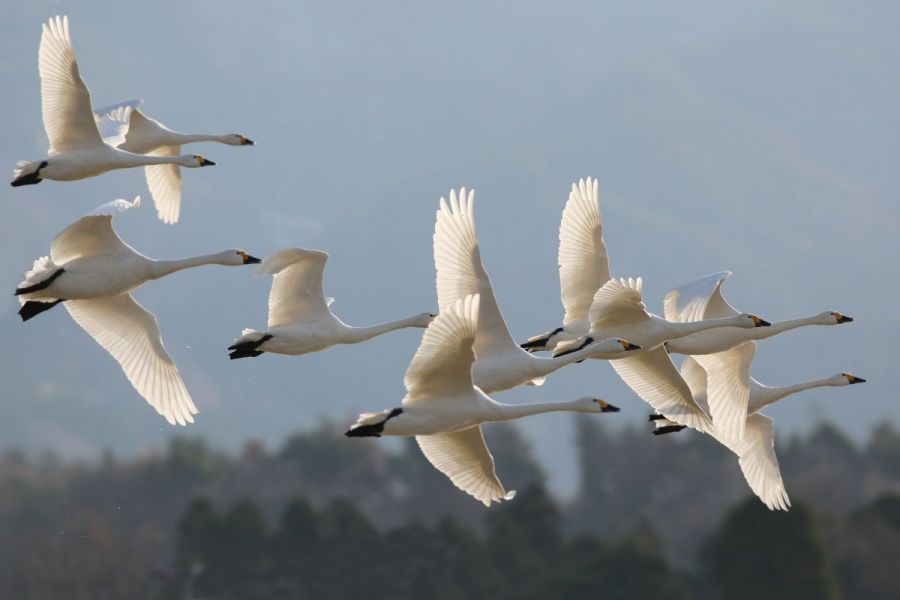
501 364
300 316
76 149
444 409
126 127
91 271
756 450
726 353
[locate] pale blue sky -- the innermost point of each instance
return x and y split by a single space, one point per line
762 139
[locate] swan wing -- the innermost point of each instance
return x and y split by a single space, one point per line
465 459
756 455
728 376
92 235
699 300
442 366
617 302
296 294
65 99
653 377
460 272
583 261
130 333
164 182
695 377
114 121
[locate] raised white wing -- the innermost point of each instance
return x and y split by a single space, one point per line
465 459
164 182
759 463
442 366
653 377
728 377
91 235
699 300
618 302
296 294
65 99
460 272
583 261
695 377
114 121
129 332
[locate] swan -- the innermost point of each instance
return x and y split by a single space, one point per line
76 149
300 317
91 271
726 352
126 127
583 265
444 409
756 450
618 310
501 364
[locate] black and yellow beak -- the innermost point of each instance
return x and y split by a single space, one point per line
606 406
853 379
250 260
760 322
247 141
204 162
842 318
628 345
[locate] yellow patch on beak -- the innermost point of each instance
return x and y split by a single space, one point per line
601 403
243 255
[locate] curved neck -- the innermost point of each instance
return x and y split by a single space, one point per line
508 412
187 138
766 395
161 268
685 329
762 333
131 159
361 334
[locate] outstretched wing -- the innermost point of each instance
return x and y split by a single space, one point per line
296 294
583 261
442 366
699 300
65 99
129 332
164 182
618 302
91 235
465 459
728 377
759 463
114 121
653 377
460 272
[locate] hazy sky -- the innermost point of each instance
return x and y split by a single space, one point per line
761 139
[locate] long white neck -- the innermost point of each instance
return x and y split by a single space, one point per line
764 395
130 159
187 138
542 366
161 268
507 412
680 330
761 333
353 335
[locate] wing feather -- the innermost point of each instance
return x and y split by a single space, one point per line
699 300
114 121
618 302
91 235
728 376
759 463
164 182
296 294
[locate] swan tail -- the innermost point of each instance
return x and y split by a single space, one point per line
33 308
247 345
27 172
372 424
42 274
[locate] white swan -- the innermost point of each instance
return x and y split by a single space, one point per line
126 127
91 270
300 317
501 364
725 352
76 148
756 451
583 265
618 310
444 409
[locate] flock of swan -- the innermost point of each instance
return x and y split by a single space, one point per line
466 351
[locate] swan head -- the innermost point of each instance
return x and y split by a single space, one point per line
423 320
236 139
833 317
235 258
749 321
594 405
194 161
842 379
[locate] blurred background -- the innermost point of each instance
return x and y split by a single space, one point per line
760 138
